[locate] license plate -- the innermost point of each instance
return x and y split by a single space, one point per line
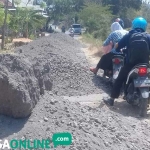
142 83
115 74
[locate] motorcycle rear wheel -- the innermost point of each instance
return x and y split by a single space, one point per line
143 107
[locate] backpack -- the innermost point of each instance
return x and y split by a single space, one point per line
138 48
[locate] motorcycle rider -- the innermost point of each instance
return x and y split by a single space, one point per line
105 62
63 29
120 21
71 32
139 26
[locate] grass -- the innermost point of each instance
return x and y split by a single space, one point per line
88 38
94 45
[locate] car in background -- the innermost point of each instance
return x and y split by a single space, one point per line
77 29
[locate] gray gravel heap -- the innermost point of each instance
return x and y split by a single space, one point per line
59 59
19 89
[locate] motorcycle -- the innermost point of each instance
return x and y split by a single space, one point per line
137 88
118 63
71 33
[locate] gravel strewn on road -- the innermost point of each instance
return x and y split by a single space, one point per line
59 58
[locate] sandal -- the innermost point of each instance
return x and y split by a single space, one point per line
94 70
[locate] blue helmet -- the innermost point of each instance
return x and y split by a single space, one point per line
139 22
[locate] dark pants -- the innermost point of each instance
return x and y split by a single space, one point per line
121 78
105 62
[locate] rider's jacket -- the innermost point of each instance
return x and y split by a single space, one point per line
124 42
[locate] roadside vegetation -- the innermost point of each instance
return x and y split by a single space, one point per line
95 15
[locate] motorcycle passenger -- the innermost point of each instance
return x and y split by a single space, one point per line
135 53
105 62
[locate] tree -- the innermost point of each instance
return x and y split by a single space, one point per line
97 19
43 6
4 24
26 20
17 2
49 2
78 4
122 5
145 11
60 8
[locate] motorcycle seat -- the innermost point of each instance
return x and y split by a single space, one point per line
141 65
119 56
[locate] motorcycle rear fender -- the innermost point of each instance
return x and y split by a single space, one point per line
144 92
116 68
118 56
134 70
129 75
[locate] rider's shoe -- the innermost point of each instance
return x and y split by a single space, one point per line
109 102
124 97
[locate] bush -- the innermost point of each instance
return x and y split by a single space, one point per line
97 20
8 40
101 33
90 39
32 37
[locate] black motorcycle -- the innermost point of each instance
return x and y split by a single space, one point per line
117 64
137 87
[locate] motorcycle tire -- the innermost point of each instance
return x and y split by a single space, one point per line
143 107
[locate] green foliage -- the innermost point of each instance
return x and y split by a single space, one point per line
48 2
145 11
122 5
26 20
43 5
97 19
17 2
61 8
32 37
2 15
90 39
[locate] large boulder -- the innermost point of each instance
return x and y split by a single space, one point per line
19 88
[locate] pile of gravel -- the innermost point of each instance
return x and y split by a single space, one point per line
19 88
59 59
50 63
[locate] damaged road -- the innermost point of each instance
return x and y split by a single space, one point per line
70 100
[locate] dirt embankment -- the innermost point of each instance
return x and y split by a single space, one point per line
60 59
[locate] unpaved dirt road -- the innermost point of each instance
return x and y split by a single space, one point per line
75 103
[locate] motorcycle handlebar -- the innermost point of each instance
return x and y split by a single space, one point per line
123 49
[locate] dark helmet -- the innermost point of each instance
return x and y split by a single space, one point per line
139 22
120 21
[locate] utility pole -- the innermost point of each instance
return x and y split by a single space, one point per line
4 24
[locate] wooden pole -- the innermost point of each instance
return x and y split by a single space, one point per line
4 24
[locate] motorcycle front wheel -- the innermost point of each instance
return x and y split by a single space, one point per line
143 107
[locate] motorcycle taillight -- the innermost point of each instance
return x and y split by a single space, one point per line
142 71
116 61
